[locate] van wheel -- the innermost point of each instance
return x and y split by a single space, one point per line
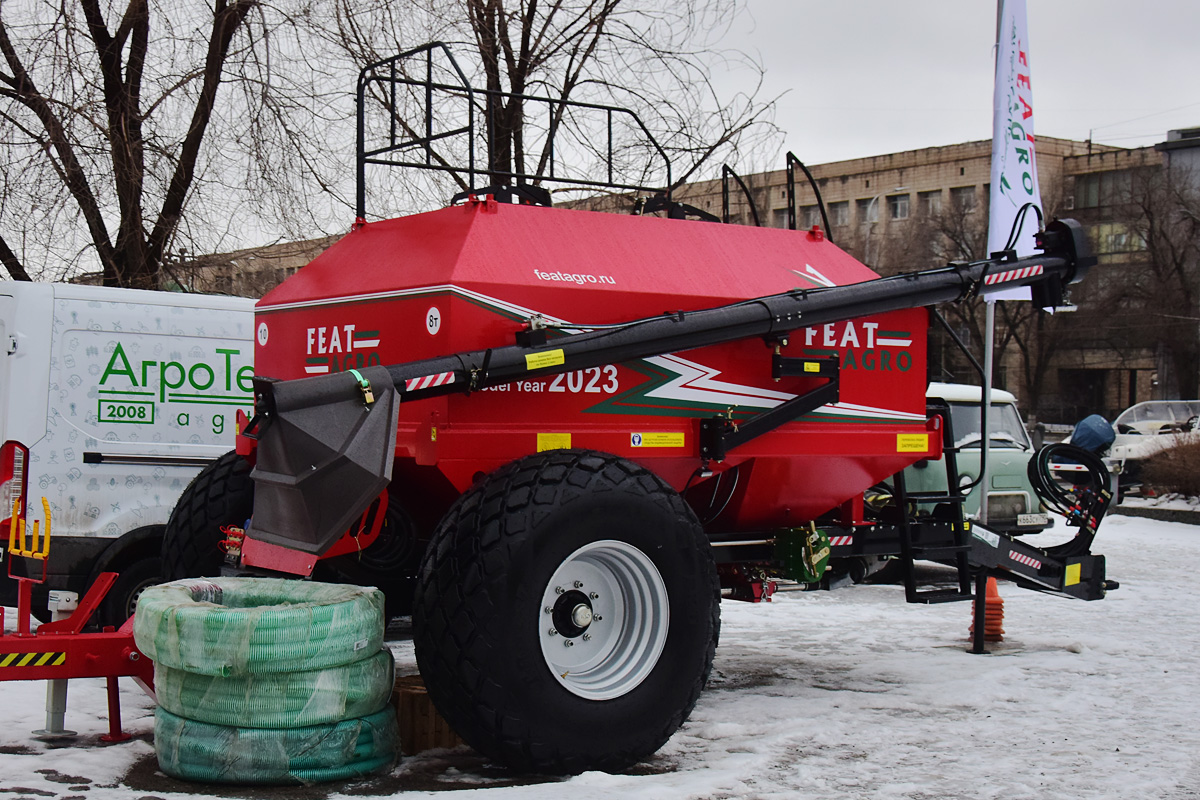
221 494
119 604
567 613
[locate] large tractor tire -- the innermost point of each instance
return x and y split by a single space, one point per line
567 613
223 494
220 494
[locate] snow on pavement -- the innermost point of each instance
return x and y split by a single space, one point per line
844 694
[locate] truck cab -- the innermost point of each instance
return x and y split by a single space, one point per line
1013 505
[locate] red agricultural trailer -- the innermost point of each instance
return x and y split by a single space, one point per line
573 422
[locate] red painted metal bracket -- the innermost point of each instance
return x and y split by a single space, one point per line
61 650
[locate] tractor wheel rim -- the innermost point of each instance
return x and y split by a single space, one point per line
603 620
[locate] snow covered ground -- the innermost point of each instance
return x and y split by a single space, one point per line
1170 501
843 694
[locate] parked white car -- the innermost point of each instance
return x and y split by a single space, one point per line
1148 428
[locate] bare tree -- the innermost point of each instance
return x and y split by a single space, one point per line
126 132
958 231
1161 290
130 136
655 57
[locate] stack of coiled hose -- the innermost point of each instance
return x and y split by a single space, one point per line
268 681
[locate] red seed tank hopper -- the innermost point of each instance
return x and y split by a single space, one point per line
471 277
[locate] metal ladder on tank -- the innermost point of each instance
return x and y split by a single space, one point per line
915 545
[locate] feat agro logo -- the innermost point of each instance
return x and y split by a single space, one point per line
863 345
338 348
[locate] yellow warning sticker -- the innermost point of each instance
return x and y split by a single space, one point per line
553 441
34 659
912 442
664 439
550 358
812 366
1074 572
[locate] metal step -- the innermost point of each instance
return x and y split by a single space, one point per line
931 596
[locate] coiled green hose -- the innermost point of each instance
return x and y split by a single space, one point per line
248 626
199 751
278 699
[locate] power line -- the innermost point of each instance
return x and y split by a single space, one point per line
1147 116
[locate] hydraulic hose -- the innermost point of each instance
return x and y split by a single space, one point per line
1084 502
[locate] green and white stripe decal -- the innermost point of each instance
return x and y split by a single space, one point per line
678 387
893 339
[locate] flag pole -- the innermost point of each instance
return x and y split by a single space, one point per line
989 342
985 405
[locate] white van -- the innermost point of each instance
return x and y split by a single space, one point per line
111 400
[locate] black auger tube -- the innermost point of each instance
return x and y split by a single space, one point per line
775 315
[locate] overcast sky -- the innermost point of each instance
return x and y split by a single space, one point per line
866 77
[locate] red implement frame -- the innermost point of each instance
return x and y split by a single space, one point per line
61 649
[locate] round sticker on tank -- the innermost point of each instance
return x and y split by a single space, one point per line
433 320
262 333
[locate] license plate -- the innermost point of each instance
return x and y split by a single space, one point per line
1032 519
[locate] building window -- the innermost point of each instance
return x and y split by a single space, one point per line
930 203
868 210
839 213
810 216
1102 189
1115 237
779 218
898 206
963 197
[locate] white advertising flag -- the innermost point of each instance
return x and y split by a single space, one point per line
1014 165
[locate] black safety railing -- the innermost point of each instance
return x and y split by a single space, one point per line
727 173
792 163
417 135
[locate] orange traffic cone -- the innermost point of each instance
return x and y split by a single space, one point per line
993 613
